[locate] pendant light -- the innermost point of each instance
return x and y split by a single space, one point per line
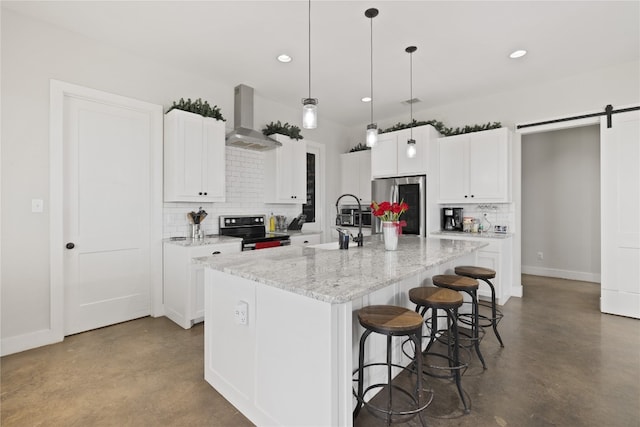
372 128
411 143
310 105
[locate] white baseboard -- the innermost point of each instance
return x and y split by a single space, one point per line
28 341
516 291
562 274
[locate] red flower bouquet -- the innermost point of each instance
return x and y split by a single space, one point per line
389 211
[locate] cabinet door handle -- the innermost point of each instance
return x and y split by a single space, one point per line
215 253
465 196
70 245
205 193
200 193
306 241
472 196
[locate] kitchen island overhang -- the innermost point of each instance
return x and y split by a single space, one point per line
280 329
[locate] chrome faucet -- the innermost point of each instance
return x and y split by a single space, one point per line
359 239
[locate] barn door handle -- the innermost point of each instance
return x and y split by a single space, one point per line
70 245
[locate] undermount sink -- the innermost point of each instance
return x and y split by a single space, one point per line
326 246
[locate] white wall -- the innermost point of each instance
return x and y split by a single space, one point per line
34 52
561 203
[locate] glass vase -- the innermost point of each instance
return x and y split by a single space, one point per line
390 231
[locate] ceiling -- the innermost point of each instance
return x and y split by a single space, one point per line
463 46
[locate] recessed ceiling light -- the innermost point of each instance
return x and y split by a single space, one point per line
366 99
518 53
284 58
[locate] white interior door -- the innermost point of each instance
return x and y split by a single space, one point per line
620 214
107 190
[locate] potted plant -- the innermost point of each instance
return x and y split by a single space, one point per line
203 109
286 129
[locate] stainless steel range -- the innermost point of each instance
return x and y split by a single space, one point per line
253 232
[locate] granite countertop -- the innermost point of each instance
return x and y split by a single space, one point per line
294 233
337 276
211 239
484 235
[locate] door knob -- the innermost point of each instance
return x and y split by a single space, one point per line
70 245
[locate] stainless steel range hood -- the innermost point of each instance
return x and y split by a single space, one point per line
244 136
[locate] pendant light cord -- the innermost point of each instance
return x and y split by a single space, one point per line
309 48
411 90
371 71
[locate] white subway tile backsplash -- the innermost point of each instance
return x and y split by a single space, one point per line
244 196
496 213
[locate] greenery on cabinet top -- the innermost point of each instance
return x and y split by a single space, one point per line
439 126
359 147
286 129
198 107
442 129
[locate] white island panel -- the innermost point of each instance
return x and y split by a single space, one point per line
282 367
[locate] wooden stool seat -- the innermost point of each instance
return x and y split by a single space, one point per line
408 402
439 298
389 319
485 274
470 287
457 283
475 272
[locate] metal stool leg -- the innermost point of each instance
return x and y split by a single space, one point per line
475 326
456 357
494 314
356 411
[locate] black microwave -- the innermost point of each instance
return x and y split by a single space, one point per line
350 216
365 214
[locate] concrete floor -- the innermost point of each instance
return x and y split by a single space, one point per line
564 364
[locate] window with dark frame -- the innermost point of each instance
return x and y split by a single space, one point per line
309 208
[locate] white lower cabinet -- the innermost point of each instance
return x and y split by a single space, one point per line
306 239
498 256
184 281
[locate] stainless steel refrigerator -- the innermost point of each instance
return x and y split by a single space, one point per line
410 189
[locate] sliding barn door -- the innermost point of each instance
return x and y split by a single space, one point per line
620 207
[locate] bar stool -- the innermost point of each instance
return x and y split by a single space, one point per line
449 301
485 274
470 287
390 321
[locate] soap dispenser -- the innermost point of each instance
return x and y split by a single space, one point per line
272 223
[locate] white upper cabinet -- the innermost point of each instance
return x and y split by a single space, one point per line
475 167
389 155
194 158
286 172
356 174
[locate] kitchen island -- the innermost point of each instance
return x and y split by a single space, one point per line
280 328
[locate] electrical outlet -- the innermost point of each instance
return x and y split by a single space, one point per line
241 312
37 205
540 256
